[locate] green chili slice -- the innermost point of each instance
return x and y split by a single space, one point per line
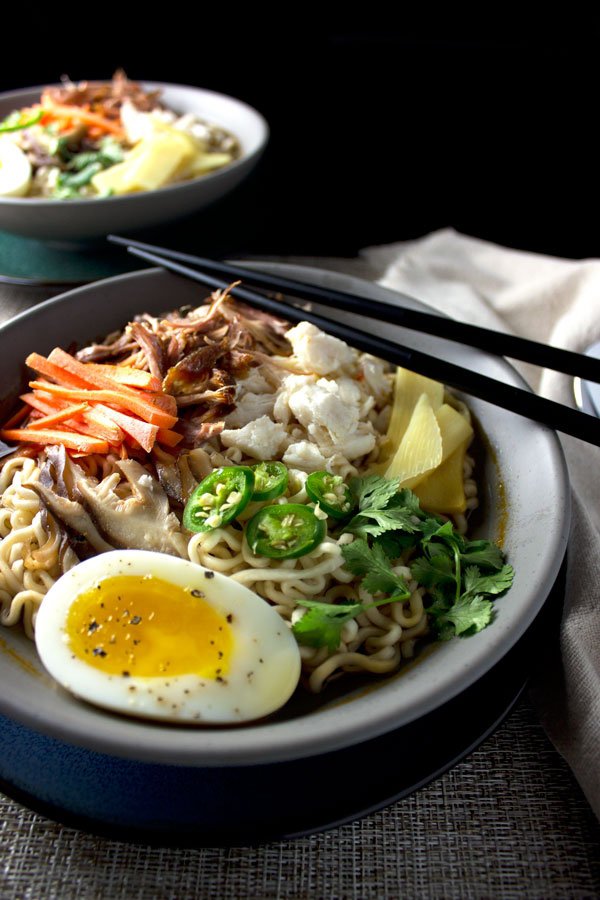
270 480
284 531
20 119
219 498
330 492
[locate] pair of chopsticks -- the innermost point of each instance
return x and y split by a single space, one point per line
523 402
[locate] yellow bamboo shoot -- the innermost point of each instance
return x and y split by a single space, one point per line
408 387
152 163
455 429
443 490
420 449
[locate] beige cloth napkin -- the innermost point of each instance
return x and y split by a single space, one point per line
556 301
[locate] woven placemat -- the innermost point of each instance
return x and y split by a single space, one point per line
509 822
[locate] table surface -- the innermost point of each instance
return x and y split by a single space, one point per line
509 821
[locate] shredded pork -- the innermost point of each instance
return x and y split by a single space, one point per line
106 97
199 355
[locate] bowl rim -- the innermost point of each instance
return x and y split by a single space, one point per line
262 138
334 726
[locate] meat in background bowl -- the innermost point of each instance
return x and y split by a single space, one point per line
57 748
92 218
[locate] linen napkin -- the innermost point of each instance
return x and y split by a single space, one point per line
556 301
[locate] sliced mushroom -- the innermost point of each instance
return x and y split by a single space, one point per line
170 480
72 514
52 473
142 520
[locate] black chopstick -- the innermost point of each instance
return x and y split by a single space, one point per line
524 403
495 342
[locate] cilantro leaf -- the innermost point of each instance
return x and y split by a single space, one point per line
381 507
482 553
467 616
409 501
373 491
322 625
430 572
394 544
443 531
496 583
373 564
394 519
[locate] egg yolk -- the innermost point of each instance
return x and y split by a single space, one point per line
139 625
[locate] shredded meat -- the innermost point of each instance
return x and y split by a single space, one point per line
151 346
199 354
194 431
114 347
105 97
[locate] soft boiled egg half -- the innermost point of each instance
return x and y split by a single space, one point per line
15 169
160 637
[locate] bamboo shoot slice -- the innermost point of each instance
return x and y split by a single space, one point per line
420 449
408 388
443 491
455 430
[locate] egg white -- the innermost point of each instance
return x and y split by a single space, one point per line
15 169
264 666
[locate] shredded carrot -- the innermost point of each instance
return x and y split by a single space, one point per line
17 417
60 416
100 406
128 375
72 366
135 404
94 423
70 439
46 404
168 437
101 380
58 374
143 433
166 402
79 114
102 426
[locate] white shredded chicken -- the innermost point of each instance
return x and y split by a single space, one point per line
319 352
319 422
261 439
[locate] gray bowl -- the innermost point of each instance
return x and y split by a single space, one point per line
525 494
86 219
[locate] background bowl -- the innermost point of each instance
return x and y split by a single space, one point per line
80 220
525 497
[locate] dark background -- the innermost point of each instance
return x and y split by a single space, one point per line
383 127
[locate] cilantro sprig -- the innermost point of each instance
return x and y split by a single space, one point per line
461 576
376 569
381 507
461 592
322 625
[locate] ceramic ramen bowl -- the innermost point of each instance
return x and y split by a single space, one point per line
85 219
65 753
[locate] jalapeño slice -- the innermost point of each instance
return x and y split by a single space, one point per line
270 480
284 531
330 492
20 119
219 498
